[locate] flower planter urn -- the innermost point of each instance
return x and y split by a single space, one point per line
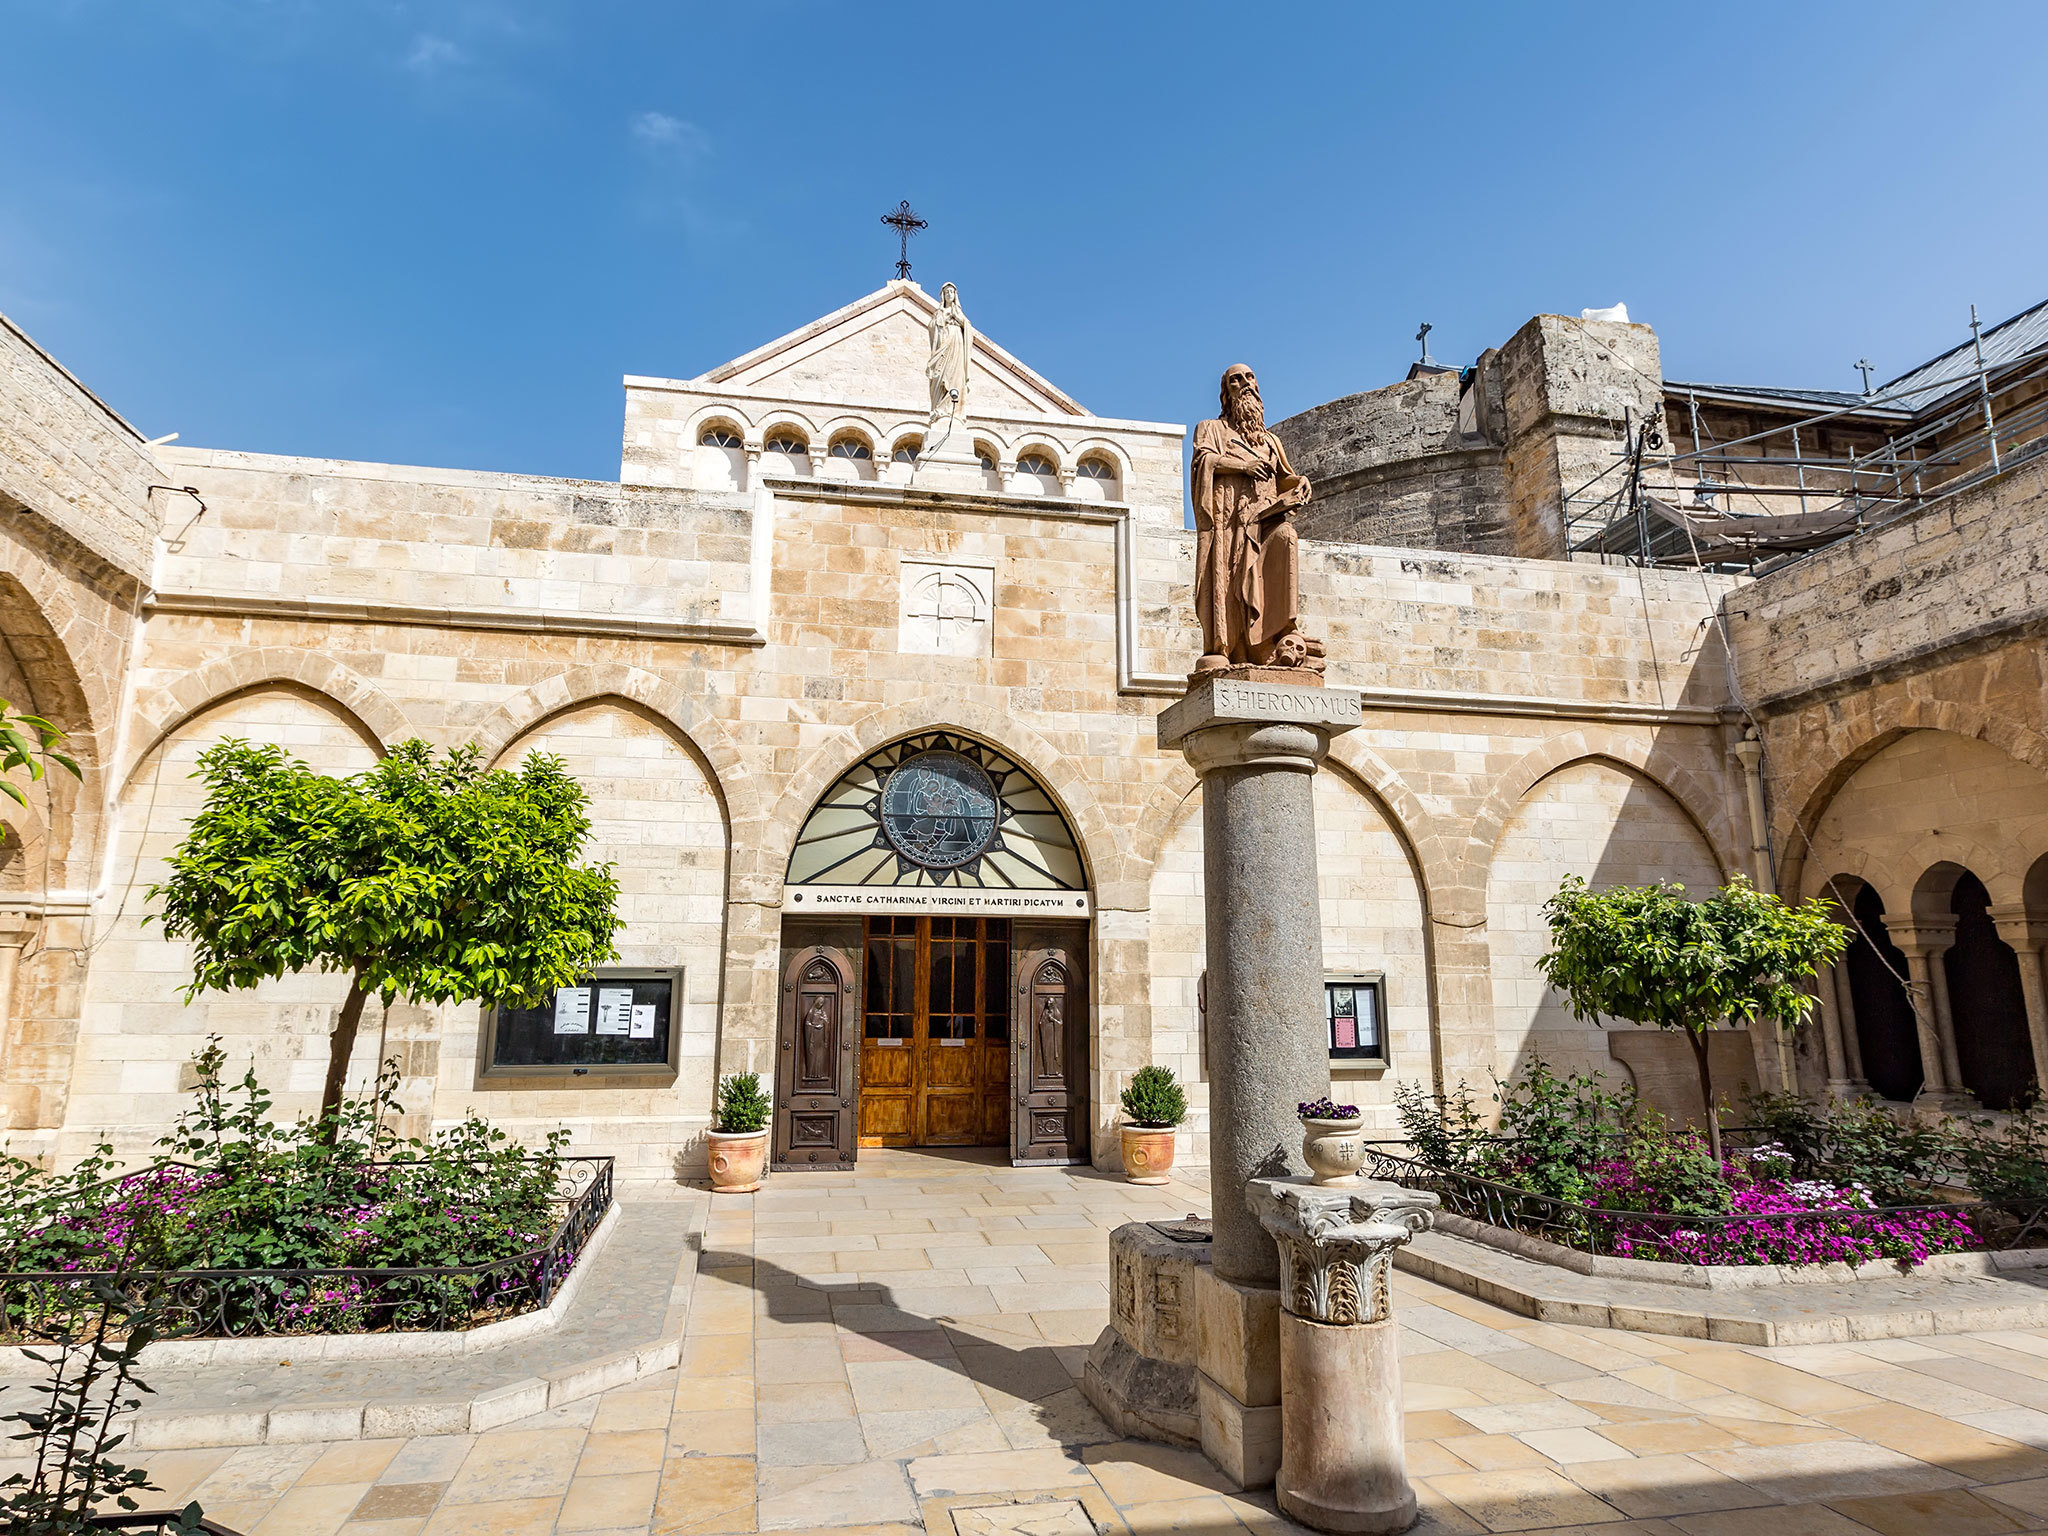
738 1159
1334 1149
1148 1153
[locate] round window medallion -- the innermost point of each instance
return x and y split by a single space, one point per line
939 810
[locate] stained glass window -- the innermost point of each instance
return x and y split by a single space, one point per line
938 809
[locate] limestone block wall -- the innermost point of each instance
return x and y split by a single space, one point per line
1568 388
1611 825
1932 622
344 607
136 1032
297 532
659 821
1410 465
67 456
1373 920
1960 573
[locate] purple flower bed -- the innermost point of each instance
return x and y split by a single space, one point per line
1773 1221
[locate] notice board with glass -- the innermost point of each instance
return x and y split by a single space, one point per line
1355 1018
615 1022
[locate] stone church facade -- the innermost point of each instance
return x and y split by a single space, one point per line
877 768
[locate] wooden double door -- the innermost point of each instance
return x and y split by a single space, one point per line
914 1031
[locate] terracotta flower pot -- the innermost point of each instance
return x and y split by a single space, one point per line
1333 1149
1148 1153
738 1159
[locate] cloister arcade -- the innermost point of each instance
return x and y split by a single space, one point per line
1935 850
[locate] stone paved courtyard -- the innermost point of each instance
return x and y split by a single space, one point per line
896 1350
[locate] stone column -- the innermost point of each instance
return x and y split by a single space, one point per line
1920 941
2027 936
1342 1462
1852 1043
1837 1030
1256 746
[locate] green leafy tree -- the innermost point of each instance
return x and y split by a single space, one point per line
27 741
427 878
1647 954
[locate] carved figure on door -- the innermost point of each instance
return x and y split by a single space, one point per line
817 1038
1052 1035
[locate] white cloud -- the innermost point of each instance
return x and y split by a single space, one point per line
429 54
662 134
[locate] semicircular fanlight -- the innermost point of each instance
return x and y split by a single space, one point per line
937 809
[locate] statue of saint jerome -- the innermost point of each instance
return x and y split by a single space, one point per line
1247 554
945 368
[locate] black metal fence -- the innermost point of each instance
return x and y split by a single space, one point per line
1810 1236
251 1303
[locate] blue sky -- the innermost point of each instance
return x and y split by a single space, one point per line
439 232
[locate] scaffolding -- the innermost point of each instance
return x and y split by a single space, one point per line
1757 502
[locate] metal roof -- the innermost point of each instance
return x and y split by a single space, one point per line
1837 398
1956 368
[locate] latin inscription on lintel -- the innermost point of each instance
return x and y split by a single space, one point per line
1222 701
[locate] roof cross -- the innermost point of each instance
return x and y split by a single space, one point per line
905 223
1423 337
1864 366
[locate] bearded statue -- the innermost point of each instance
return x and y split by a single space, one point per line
1247 554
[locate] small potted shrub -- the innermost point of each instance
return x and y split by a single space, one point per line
739 1137
1330 1141
1153 1106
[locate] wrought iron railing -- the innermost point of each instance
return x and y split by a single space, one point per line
250 1303
1656 1235
156 1522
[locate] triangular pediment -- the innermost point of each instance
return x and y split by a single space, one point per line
873 352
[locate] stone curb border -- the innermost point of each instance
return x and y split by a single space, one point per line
399 1417
1467 1268
1737 1277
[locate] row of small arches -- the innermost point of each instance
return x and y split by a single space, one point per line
1036 471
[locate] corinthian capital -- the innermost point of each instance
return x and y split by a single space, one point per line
1336 1245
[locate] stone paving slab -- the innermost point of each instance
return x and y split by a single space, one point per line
1907 1306
625 1321
793 1410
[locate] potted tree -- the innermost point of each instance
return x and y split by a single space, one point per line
1153 1106
739 1135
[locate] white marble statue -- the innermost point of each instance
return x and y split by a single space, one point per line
945 369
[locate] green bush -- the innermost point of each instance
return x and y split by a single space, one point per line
245 1192
742 1106
2007 1166
1556 1130
1154 1099
1444 1131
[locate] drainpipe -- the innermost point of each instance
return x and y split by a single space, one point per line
1750 752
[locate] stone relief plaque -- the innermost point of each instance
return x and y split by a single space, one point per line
948 609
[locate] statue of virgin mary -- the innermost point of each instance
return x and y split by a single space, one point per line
952 338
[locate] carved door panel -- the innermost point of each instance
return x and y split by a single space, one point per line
815 1062
1050 1053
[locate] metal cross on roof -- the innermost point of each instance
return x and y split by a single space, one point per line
1864 366
906 224
1423 337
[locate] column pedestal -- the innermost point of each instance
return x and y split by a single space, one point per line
1256 746
1343 1466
